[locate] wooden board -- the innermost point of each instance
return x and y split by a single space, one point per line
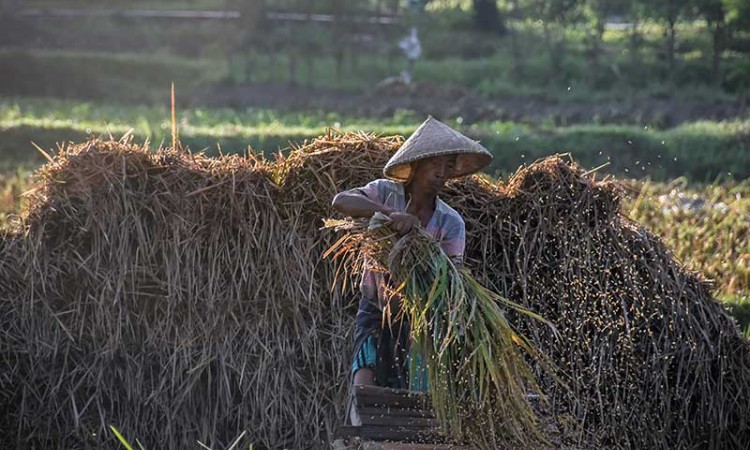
392 415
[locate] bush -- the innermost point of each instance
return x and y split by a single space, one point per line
738 77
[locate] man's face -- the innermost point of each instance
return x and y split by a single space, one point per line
431 174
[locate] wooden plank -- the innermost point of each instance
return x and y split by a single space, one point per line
348 431
389 433
405 403
395 411
386 391
385 420
399 434
394 415
379 396
407 446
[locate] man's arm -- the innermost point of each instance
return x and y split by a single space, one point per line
354 203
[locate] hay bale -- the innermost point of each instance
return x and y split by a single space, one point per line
183 298
652 359
166 294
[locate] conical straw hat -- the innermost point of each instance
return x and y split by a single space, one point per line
434 138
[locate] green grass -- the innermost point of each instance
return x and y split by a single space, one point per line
739 308
130 78
701 150
47 121
129 4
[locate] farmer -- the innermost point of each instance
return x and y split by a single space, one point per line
413 50
418 171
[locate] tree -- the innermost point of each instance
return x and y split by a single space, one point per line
556 17
252 24
487 17
637 13
714 13
668 12
515 48
737 14
738 20
339 10
596 13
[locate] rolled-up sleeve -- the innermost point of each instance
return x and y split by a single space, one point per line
374 191
454 241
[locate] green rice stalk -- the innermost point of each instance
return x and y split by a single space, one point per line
477 372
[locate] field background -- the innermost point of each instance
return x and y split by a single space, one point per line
658 93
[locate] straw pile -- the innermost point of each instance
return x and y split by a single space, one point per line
173 296
183 298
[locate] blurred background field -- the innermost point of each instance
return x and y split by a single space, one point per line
656 90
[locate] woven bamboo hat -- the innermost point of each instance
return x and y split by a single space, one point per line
434 138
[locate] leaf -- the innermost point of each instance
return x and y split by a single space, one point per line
120 437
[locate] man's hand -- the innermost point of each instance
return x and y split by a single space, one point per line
402 223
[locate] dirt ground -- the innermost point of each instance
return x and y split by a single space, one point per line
424 98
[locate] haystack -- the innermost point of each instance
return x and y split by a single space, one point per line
183 298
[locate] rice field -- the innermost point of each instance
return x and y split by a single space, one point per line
702 150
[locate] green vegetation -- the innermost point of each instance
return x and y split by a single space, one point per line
707 227
124 441
145 4
701 150
48 121
130 78
739 308
543 49
138 77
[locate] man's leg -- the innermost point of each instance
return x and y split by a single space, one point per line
364 377
363 369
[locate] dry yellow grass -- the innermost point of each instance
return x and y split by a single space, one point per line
183 298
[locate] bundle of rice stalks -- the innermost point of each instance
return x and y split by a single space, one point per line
183 298
477 377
